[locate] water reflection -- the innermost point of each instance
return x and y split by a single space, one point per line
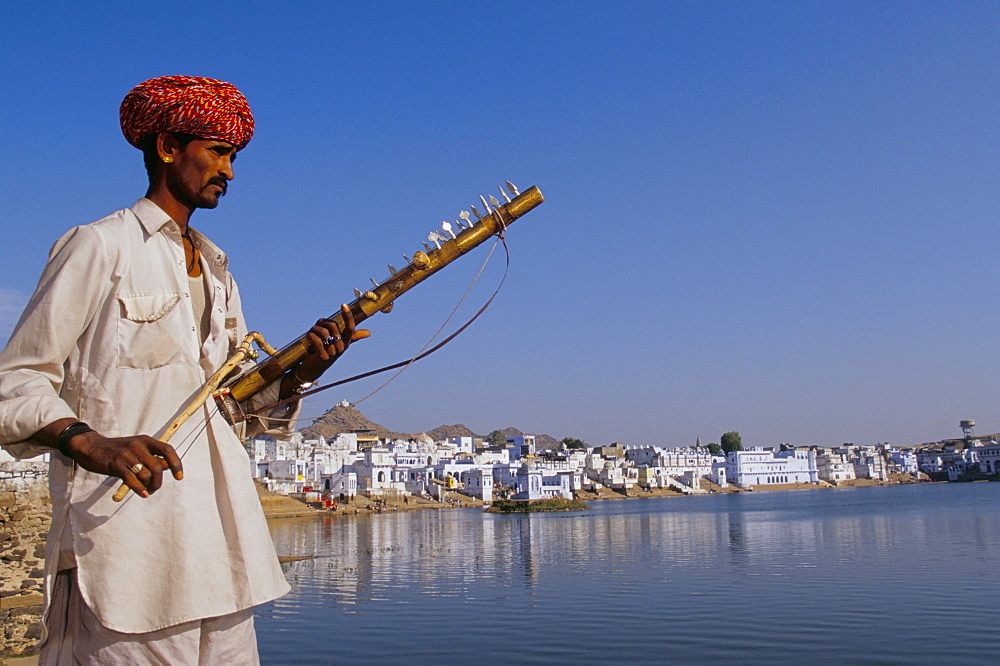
446 553
845 568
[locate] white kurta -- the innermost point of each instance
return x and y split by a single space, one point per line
109 338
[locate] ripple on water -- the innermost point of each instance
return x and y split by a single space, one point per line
825 577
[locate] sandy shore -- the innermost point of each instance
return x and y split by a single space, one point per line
25 514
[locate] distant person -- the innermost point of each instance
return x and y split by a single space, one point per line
131 315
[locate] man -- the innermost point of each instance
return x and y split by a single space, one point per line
131 315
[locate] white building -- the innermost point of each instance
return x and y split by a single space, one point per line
286 476
953 458
761 467
672 462
989 458
534 484
343 486
375 473
834 465
904 461
521 446
719 477
613 473
869 464
657 478
477 483
930 462
461 444
492 456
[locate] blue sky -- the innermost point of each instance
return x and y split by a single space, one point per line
772 217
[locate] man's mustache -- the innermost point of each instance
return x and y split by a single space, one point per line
221 182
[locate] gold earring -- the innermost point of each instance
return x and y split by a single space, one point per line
168 160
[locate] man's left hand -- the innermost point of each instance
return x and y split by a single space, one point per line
329 341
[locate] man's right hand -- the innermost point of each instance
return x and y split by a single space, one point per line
120 456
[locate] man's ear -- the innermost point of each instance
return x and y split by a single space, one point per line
167 147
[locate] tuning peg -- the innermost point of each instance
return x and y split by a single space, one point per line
406 259
433 237
494 202
512 188
421 261
426 246
476 213
503 194
447 227
357 293
464 215
392 270
374 282
485 205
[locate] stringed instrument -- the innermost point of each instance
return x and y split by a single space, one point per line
447 246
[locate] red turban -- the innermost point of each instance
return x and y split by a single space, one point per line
206 108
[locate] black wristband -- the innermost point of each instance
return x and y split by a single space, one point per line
68 433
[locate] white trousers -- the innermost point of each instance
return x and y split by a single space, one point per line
76 636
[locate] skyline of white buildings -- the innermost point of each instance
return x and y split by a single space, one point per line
357 463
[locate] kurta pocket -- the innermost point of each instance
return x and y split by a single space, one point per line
148 330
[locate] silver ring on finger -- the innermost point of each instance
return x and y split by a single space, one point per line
136 468
333 338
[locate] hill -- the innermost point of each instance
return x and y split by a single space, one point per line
345 418
449 431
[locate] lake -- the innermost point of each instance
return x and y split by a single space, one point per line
892 574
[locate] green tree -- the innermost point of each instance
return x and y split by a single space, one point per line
497 438
731 441
714 448
573 443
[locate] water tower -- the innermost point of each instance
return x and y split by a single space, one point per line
967 427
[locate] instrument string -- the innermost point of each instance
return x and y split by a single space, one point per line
189 442
403 365
444 323
424 352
